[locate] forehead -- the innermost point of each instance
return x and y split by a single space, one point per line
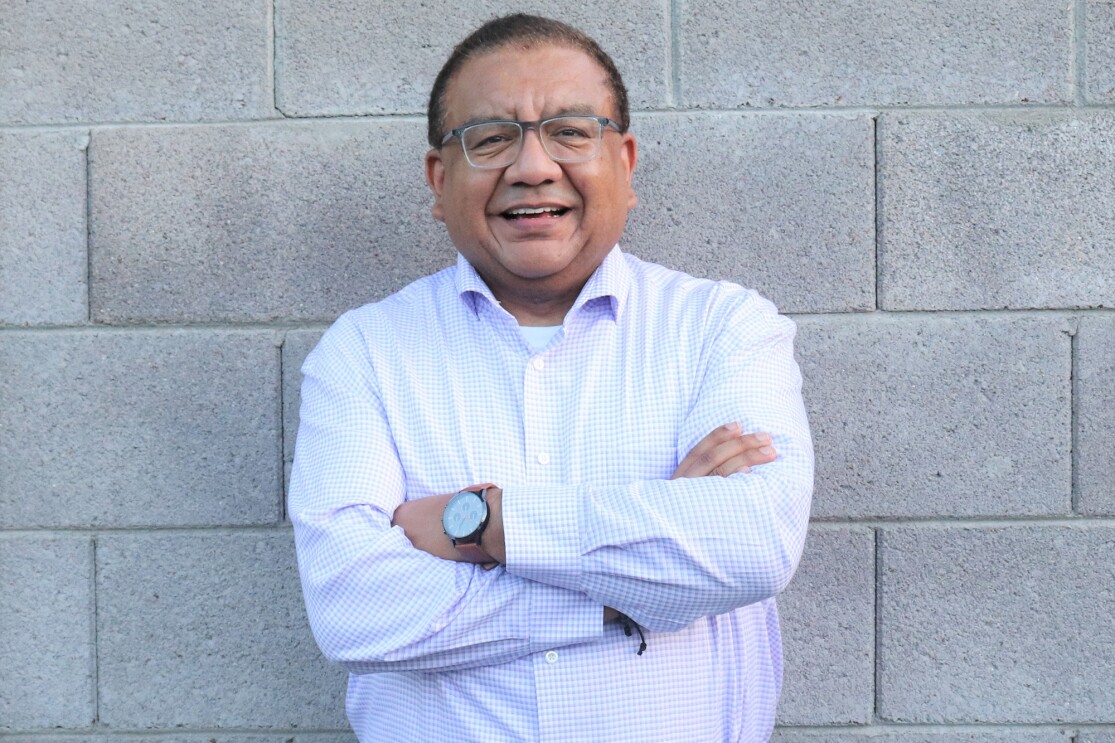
527 83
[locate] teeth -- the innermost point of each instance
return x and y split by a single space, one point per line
540 210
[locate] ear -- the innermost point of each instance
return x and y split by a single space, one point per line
435 178
629 156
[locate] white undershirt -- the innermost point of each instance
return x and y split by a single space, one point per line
538 337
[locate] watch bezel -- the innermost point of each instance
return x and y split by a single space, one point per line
473 537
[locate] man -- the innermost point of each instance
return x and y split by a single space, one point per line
607 573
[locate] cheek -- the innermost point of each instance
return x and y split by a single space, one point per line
465 202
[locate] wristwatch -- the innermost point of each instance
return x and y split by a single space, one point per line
465 516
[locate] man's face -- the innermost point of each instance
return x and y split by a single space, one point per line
549 256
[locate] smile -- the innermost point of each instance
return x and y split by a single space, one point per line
535 213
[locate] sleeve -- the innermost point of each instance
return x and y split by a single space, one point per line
374 602
666 552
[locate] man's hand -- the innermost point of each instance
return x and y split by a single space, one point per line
726 451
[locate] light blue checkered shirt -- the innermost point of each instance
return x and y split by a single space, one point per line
434 389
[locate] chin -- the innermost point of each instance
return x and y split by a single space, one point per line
537 266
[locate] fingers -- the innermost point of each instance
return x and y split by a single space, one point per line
698 462
741 454
726 451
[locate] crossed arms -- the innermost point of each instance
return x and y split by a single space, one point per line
723 452
385 591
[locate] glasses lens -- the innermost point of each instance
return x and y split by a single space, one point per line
492 144
571 138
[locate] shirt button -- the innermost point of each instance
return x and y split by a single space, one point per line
543 458
551 656
537 363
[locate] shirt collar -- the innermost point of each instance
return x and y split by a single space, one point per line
612 279
470 287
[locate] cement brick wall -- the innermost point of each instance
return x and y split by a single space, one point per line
190 193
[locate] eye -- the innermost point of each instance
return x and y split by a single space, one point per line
490 137
491 140
569 131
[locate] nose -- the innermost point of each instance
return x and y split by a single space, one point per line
533 166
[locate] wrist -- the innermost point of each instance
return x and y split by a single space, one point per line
493 538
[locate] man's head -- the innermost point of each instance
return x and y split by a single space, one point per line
538 225
524 31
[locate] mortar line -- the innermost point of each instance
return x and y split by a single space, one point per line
174 734
963 522
232 326
20 736
1074 422
674 22
282 437
414 116
898 522
957 727
1078 62
148 325
876 192
272 42
225 530
89 228
95 639
875 660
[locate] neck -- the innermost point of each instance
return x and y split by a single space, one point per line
540 302
544 313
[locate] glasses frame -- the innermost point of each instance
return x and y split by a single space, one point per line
524 126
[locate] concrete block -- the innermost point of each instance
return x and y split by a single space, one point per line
987 210
1095 421
126 428
46 632
1099 50
784 204
1001 625
116 60
938 416
828 631
1089 736
368 57
297 344
865 52
208 630
920 735
262 222
43 264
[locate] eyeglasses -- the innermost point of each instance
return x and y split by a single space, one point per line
566 139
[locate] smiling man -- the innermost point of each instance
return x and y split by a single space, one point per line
549 494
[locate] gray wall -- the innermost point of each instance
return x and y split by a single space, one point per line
190 192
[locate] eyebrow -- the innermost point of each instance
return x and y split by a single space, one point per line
578 109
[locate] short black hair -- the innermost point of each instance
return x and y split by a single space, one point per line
529 31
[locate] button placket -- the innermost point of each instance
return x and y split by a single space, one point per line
537 393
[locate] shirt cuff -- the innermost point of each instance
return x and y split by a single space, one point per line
540 534
559 617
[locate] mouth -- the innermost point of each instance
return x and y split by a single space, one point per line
541 212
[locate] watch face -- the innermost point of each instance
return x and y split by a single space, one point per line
463 515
